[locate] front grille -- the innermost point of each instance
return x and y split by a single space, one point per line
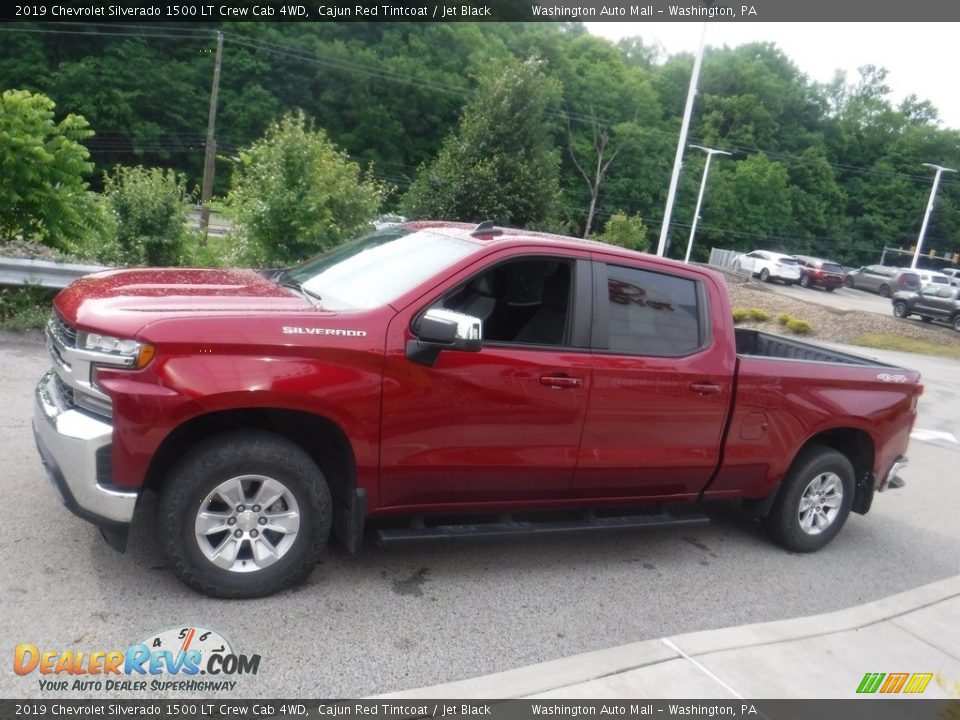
66 333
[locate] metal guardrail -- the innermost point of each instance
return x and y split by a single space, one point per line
42 273
726 259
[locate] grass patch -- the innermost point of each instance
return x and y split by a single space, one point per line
883 341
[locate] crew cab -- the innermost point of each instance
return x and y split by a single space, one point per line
434 380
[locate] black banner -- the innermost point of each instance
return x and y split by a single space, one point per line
449 709
489 10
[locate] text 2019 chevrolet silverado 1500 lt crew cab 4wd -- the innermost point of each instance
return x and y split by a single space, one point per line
432 371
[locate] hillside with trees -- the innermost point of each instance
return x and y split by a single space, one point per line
539 125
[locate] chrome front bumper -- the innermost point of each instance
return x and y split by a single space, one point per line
892 481
70 443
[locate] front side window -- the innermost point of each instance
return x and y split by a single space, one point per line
652 313
525 301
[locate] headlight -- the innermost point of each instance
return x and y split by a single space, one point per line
131 353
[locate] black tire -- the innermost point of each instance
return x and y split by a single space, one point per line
254 457
848 282
926 318
765 275
900 310
829 289
884 291
816 463
956 322
805 281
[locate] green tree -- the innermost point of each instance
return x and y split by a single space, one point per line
43 194
628 232
295 193
501 164
150 210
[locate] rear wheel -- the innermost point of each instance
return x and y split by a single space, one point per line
765 275
814 500
829 289
884 291
900 310
805 281
244 514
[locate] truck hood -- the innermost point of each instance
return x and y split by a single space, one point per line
123 301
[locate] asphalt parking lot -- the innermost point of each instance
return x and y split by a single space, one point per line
391 619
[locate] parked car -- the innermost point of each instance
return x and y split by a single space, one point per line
770 266
817 272
931 278
953 275
883 279
937 302
433 380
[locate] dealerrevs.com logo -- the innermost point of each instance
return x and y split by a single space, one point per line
188 659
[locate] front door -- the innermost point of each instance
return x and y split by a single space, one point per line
504 423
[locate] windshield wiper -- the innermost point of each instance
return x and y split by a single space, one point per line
283 279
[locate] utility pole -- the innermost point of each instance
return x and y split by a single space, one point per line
210 156
703 184
926 216
681 144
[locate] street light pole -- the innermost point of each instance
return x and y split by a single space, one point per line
703 184
681 143
926 216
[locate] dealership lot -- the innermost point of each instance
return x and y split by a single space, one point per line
401 618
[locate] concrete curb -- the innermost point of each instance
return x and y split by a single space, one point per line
667 660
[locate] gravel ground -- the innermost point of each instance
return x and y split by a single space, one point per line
829 324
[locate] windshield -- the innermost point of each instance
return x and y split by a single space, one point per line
380 267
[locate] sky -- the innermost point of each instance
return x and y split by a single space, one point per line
921 58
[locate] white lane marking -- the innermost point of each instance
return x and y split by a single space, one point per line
669 643
931 435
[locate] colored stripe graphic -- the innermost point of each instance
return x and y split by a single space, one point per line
918 683
870 682
894 682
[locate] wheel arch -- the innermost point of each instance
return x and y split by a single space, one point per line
322 439
853 443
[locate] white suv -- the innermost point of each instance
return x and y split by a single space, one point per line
770 266
930 278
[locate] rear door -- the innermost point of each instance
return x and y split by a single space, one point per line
662 385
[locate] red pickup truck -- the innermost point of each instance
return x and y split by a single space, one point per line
434 380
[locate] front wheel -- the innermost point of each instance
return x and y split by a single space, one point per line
884 291
244 514
814 500
900 310
956 323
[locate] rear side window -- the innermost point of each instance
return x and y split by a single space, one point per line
652 313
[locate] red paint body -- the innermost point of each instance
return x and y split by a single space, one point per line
478 431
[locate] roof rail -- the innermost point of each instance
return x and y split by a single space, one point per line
486 228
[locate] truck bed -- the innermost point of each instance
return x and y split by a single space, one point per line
761 344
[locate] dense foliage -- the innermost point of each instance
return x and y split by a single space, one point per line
832 169
149 207
294 194
500 165
43 164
